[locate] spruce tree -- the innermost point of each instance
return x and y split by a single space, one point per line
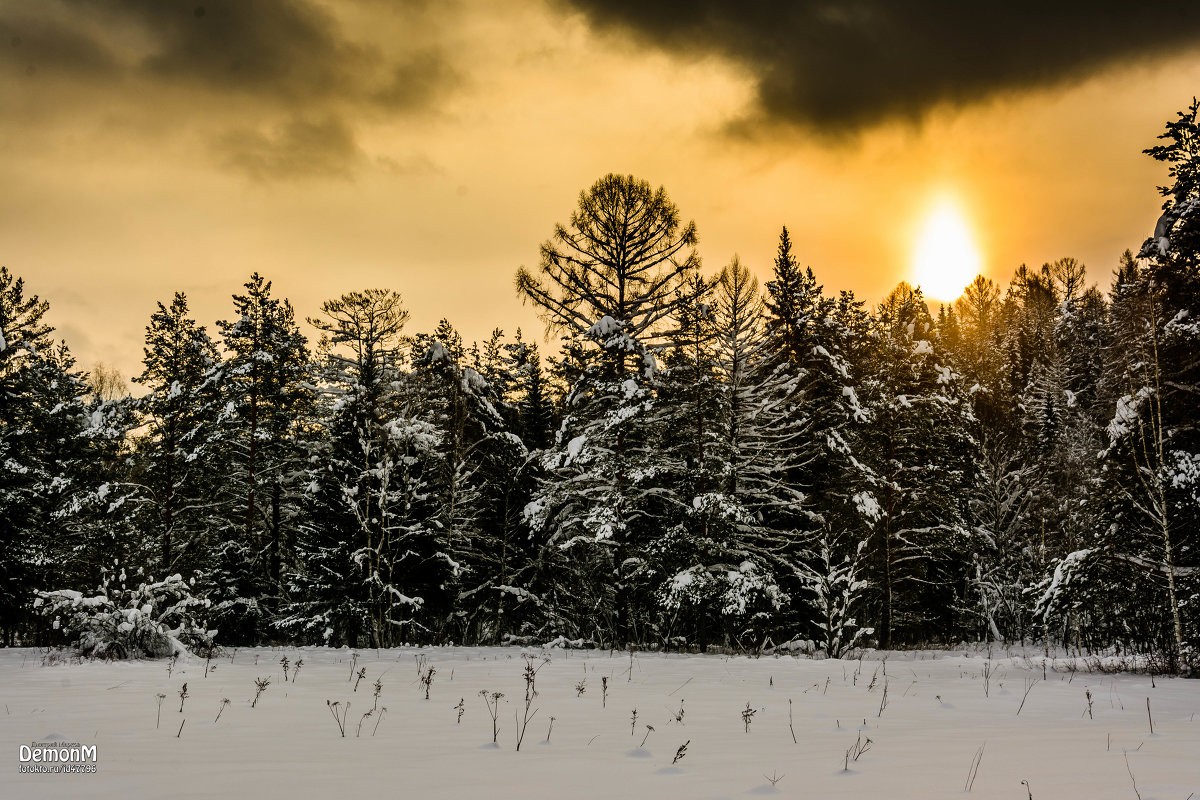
732 422
810 350
267 396
339 592
45 437
478 461
178 462
918 446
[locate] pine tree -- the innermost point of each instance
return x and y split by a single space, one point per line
528 394
980 356
813 345
717 563
812 342
1150 468
752 515
267 397
340 593
175 485
1154 452
919 449
608 283
836 589
1035 441
479 462
45 433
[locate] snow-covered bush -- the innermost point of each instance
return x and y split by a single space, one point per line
155 620
731 591
740 593
836 590
1060 593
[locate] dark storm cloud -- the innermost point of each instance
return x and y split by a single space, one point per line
290 51
843 65
308 81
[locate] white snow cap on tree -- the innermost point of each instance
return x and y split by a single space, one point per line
604 327
1160 242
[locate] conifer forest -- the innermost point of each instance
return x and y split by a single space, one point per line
688 458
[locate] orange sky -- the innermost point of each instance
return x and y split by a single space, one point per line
436 144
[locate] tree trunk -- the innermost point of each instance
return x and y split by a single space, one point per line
276 544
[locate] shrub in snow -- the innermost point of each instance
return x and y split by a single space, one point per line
234 584
856 750
836 589
720 584
1061 592
157 619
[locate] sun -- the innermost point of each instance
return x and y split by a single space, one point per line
945 258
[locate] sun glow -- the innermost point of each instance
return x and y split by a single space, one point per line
945 258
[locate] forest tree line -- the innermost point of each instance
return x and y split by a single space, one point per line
703 460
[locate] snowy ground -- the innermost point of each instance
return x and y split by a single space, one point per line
936 719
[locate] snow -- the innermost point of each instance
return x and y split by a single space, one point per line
1126 415
575 447
649 365
1160 242
604 327
922 348
867 505
3 343
472 381
1063 572
422 435
683 581
1179 326
1183 471
857 411
940 710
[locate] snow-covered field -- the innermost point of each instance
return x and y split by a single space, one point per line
940 710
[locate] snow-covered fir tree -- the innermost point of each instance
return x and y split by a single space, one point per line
919 449
267 395
54 446
178 454
480 487
342 591
718 560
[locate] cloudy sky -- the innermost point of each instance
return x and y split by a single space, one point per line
429 146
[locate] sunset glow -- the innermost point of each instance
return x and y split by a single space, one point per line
351 147
945 257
